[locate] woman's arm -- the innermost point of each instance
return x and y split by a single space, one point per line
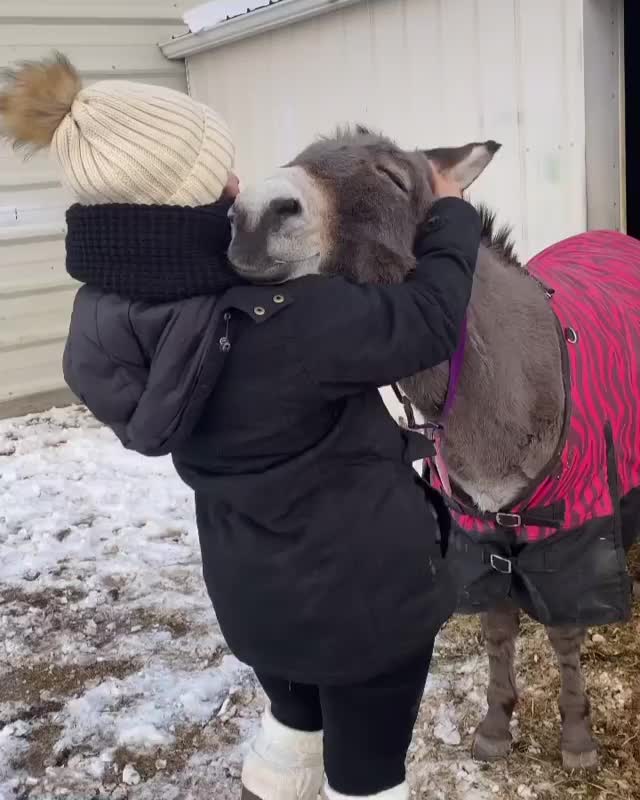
356 336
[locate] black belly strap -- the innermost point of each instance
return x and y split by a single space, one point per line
551 516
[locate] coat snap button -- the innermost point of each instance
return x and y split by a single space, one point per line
259 311
278 298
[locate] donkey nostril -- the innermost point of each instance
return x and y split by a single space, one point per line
286 206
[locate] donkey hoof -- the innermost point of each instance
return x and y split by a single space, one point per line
586 760
486 748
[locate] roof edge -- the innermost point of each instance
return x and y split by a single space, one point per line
259 21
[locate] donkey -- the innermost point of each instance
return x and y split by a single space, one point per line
512 426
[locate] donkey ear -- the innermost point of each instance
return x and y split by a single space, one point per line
463 164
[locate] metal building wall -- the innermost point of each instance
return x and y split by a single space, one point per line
427 72
104 39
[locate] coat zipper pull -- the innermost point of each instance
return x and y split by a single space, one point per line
225 342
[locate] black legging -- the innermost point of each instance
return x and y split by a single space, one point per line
367 727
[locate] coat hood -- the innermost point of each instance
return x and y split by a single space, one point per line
145 370
150 329
144 348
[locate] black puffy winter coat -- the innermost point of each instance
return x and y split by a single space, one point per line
320 545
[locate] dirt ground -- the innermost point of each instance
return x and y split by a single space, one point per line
116 684
439 769
611 660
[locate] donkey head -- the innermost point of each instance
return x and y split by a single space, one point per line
346 205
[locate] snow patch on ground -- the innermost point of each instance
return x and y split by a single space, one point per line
115 679
109 642
142 710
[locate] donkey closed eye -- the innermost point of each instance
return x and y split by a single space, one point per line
397 179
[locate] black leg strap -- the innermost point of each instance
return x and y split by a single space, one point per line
429 427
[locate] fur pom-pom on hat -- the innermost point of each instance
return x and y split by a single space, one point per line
118 141
37 98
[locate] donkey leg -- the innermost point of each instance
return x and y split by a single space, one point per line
492 739
579 748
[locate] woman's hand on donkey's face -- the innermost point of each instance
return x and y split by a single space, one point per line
445 185
454 169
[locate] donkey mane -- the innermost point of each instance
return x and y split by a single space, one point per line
500 240
356 134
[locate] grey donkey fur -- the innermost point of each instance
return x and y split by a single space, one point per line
350 205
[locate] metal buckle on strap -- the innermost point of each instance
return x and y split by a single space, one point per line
501 565
509 520
431 429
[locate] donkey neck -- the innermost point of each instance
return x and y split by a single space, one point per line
507 418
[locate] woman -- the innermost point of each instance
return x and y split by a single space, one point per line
321 549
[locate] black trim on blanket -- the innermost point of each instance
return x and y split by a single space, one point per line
630 518
571 578
613 478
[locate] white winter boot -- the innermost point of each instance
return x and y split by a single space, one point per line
398 793
283 764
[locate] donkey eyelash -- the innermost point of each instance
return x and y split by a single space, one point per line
393 176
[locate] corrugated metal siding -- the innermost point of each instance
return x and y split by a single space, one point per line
604 113
104 39
427 72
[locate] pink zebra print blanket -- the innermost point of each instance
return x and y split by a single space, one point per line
595 278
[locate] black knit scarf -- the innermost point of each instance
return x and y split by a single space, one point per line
154 254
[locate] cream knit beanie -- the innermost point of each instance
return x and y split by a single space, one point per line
118 141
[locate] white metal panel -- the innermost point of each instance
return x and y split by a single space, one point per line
31 372
551 92
104 39
109 47
16 171
34 266
604 97
27 206
130 11
427 72
34 318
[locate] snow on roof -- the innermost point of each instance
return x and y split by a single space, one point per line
222 22
208 15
